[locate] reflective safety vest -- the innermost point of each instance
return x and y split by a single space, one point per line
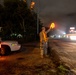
43 36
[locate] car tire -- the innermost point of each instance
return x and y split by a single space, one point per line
5 50
2 51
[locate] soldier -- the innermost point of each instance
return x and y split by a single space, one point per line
43 42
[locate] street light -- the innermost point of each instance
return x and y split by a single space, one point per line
32 5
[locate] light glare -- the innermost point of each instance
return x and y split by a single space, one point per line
73 37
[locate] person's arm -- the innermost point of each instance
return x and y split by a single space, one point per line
47 31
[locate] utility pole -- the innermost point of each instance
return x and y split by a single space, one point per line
0 29
38 11
0 35
32 7
38 19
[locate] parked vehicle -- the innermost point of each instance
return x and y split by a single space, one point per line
7 46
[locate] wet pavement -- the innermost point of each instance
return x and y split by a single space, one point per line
66 51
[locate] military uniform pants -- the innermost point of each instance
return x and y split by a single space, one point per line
43 48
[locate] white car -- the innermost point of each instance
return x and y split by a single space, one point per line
7 46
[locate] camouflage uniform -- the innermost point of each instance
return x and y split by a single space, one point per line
43 43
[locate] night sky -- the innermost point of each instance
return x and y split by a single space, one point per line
62 12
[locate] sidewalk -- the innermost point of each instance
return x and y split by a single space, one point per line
40 66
